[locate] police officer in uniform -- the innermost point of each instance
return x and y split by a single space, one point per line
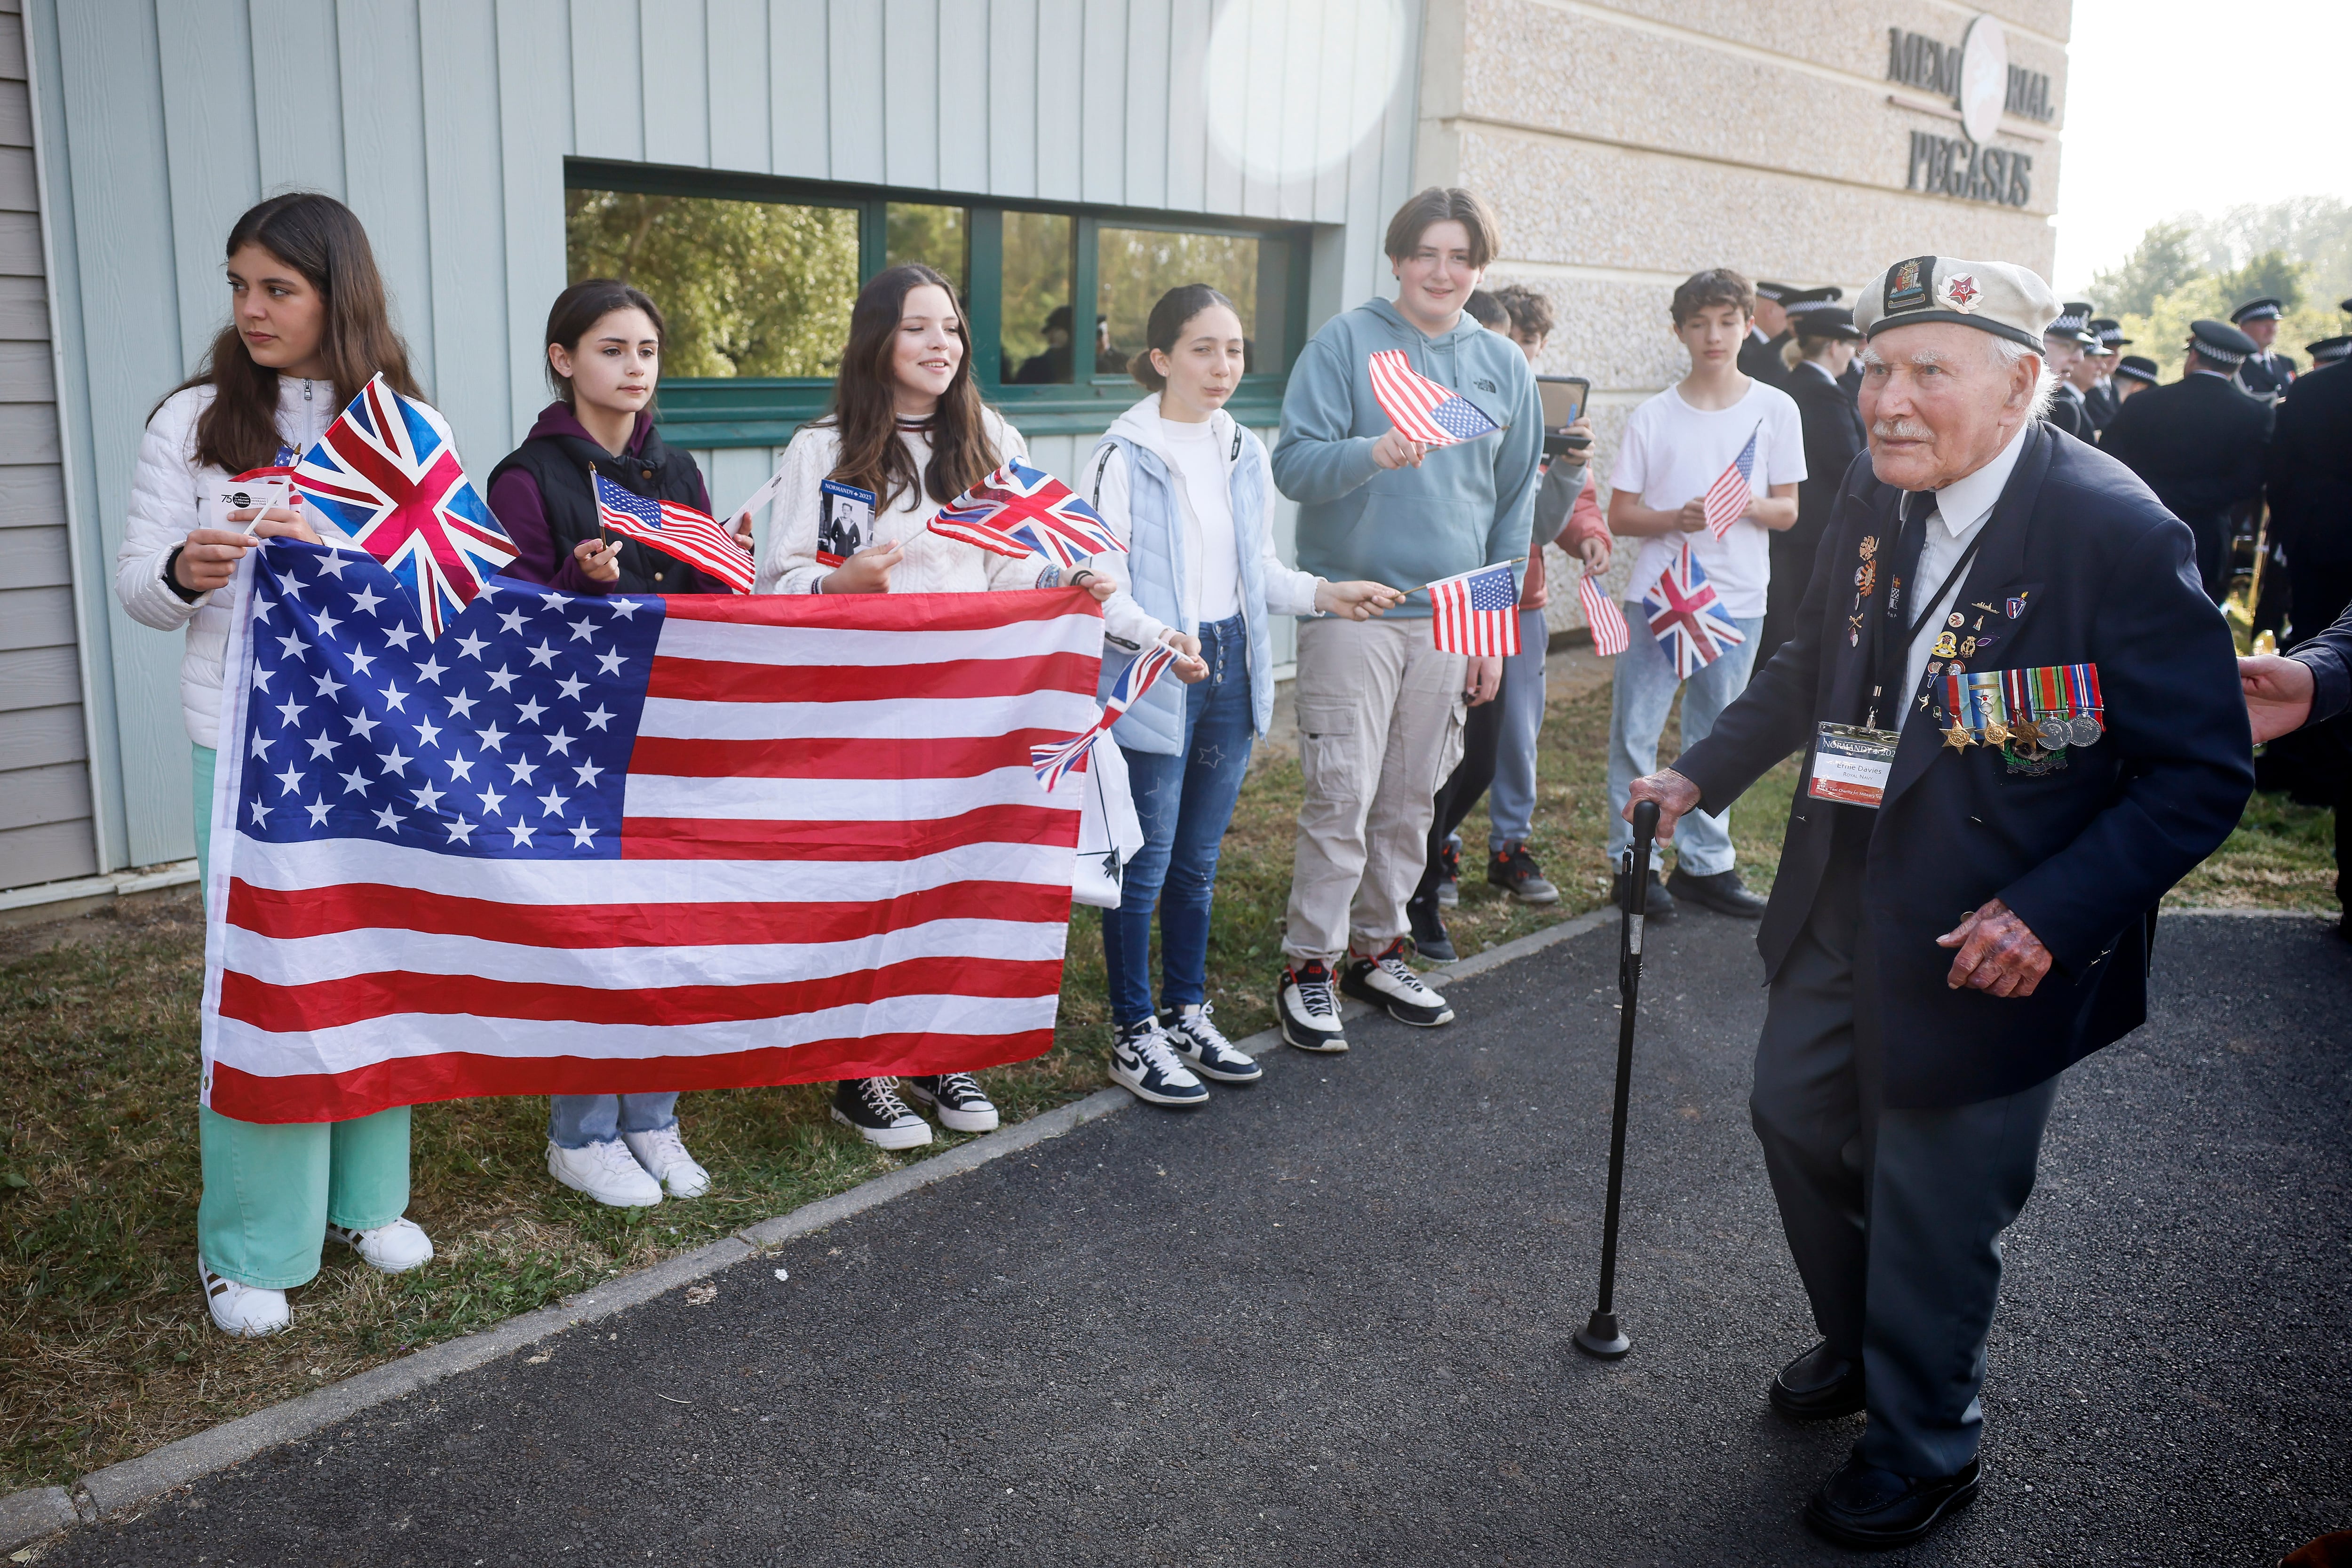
2264 374
2326 351
1968 910
2099 398
2134 374
2199 444
2063 346
1825 338
1759 356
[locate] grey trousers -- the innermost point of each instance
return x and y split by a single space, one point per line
1894 1216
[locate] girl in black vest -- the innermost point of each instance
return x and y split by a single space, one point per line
603 358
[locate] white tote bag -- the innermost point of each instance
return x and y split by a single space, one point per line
1108 834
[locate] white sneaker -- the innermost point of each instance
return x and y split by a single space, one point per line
1385 980
662 1153
606 1172
1143 1061
393 1249
241 1309
1308 1011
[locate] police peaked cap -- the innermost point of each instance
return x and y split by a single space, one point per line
2220 342
2110 333
2327 350
2264 310
2135 367
2006 300
1776 292
1805 300
1833 321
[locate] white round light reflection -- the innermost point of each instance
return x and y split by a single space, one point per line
1292 85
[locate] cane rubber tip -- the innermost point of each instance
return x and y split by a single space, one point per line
1602 1339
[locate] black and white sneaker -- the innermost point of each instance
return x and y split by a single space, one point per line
1309 1009
872 1106
1386 980
1142 1063
1197 1040
955 1098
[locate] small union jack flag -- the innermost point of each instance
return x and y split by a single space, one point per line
1728 498
1421 410
1477 613
1020 511
1051 762
677 531
1689 621
386 474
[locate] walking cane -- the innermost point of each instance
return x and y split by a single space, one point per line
1602 1336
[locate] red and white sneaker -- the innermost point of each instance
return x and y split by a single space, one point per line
1386 980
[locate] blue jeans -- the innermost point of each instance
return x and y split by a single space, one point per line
1511 798
1644 690
576 1121
1184 801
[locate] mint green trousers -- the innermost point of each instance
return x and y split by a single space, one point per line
271 1190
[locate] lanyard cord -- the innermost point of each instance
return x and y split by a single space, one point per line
1927 613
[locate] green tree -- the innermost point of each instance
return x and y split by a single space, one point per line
2268 275
2168 256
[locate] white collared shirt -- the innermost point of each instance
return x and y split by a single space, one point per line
1962 509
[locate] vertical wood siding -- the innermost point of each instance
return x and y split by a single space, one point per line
444 124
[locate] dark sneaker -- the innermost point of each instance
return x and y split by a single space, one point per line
1197 1040
1309 1009
1143 1062
1722 892
1660 905
1429 937
1386 980
955 1098
1514 871
1449 880
872 1106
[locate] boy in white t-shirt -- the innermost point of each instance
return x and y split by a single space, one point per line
1675 447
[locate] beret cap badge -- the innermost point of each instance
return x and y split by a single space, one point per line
1960 293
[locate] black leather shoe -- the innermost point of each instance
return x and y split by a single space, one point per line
1656 905
1871 1510
1722 892
1818 1385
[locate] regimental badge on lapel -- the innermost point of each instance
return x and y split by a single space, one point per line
1865 579
1945 646
2016 606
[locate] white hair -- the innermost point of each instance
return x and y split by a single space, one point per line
2007 351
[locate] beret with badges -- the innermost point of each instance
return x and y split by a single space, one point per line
2007 302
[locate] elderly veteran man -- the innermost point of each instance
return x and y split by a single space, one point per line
2022 724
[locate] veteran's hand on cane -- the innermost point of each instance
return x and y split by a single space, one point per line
2278 694
1189 666
867 572
1396 451
1999 954
1674 794
1356 600
1484 679
599 558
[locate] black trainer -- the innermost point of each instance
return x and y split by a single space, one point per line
1386 980
1429 937
1449 877
872 1106
1309 1009
1514 871
955 1098
1722 892
1660 905
1197 1040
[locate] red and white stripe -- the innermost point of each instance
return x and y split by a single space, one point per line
835 863
1455 628
686 534
1408 397
1610 634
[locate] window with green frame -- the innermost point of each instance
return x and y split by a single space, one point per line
756 276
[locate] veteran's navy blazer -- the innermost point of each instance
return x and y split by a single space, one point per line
2082 853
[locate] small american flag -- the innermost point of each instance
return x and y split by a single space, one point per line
1728 497
677 531
1051 761
386 474
1689 621
1421 410
611 843
1020 511
1611 636
1477 612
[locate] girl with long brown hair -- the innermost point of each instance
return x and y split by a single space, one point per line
908 433
308 329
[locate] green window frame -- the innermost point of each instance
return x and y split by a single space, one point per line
759 411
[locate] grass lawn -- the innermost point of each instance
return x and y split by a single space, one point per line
107 1343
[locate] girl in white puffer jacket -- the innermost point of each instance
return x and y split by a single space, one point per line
309 329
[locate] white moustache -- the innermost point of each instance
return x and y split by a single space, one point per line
1900 430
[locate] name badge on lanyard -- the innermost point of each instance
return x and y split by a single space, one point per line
1851 763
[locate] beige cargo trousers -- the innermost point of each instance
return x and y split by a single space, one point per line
1380 728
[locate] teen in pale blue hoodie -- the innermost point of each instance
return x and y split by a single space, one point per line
1186 488
1379 710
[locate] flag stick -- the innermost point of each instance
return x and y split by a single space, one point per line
1601 1336
603 538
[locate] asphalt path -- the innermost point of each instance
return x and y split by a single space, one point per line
1327 1320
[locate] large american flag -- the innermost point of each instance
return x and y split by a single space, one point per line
1690 623
386 474
1420 408
1020 511
1728 498
677 531
585 845
1477 613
